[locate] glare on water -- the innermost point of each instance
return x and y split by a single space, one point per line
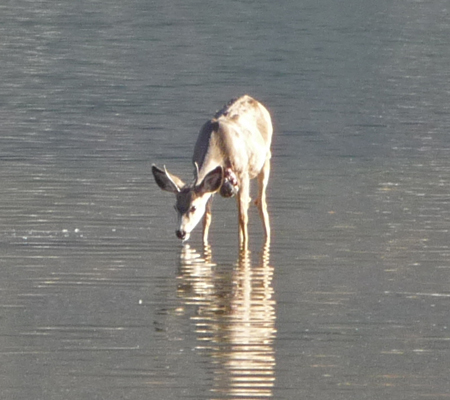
99 299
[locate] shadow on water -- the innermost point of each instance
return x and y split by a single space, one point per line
234 320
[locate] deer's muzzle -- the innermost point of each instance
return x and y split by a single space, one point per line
181 234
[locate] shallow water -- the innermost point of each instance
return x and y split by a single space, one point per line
98 299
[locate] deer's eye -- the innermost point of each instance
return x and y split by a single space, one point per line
193 209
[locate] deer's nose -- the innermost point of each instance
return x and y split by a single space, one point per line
180 234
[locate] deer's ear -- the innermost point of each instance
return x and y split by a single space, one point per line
166 181
212 181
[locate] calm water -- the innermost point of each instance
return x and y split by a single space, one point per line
99 300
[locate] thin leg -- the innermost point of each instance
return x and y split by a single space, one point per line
207 221
261 202
243 200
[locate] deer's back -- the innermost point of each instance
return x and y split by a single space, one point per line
239 135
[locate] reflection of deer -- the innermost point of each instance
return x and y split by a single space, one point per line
232 148
235 322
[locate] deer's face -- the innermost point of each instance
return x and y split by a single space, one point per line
191 201
190 207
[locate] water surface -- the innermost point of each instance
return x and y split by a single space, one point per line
98 299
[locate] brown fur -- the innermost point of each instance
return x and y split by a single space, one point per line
237 138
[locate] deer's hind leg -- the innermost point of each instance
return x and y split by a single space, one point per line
243 199
261 201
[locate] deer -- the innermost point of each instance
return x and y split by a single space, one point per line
232 148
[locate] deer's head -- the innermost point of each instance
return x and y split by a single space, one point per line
191 199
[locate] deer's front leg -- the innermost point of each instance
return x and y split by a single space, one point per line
243 200
207 221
